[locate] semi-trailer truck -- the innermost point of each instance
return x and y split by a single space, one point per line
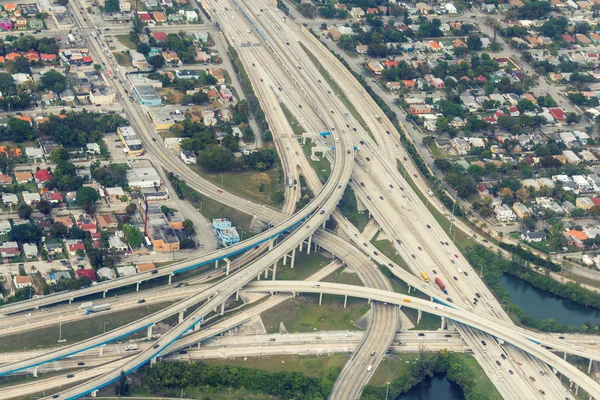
440 284
425 277
98 308
87 304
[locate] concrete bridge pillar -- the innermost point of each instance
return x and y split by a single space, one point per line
150 332
137 287
285 259
590 366
275 269
308 245
300 245
170 276
153 361
419 314
565 355
70 301
576 389
101 350
369 301
216 264
104 294
94 393
271 244
293 258
443 323
228 262
237 295
223 308
320 298
408 289
324 222
35 371
180 316
266 273
345 300
258 277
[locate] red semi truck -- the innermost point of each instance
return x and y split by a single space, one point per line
439 282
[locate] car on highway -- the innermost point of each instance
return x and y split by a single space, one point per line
483 343
421 334
322 212
532 379
542 392
154 272
449 300
455 278
503 356
447 335
156 346
510 371
497 362
455 255
182 352
367 158
80 363
413 256
519 362
376 253
428 226
419 247
70 375
466 273
316 285
434 271
561 337
140 301
380 197
372 354
477 294
398 241
56 396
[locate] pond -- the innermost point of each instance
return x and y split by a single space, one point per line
436 388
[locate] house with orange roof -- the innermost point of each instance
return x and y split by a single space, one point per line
434 46
10 7
12 56
11 152
581 38
5 179
2 60
459 43
23 176
25 118
32 55
409 83
576 238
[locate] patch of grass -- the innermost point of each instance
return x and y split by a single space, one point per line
322 167
76 331
429 322
296 127
345 276
392 367
303 314
482 382
541 246
126 41
304 266
387 248
211 209
246 184
312 366
349 208
171 95
205 392
338 91
123 59
579 278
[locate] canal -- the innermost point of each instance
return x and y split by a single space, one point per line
436 388
542 305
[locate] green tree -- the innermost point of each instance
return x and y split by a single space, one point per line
59 154
44 207
24 211
215 158
156 61
133 236
474 43
97 67
188 226
122 388
54 81
86 197
111 6
143 48
131 208
25 233
19 66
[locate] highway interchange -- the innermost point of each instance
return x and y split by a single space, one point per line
280 62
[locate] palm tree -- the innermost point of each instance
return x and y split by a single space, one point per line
500 235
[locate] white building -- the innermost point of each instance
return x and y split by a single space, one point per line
22 281
124 6
450 8
30 250
582 183
188 157
504 213
4 227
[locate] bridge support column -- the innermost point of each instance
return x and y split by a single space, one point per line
300 245
153 361
170 276
237 295
271 244
216 264
180 316
70 301
150 332
258 277
275 269
293 258
228 262
576 389
223 308
320 298
104 294
137 287
408 289
419 316
285 257
266 273
443 323
101 350
35 372
94 393
308 245
565 356
345 300
590 366
324 222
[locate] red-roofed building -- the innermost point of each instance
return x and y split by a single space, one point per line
96 244
568 38
96 235
47 57
514 111
558 114
160 36
90 227
87 272
55 197
499 114
490 120
390 64
42 175
596 201
73 247
32 55
87 60
481 79
372 10
144 16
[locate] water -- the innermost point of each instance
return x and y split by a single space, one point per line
541 305
436 388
